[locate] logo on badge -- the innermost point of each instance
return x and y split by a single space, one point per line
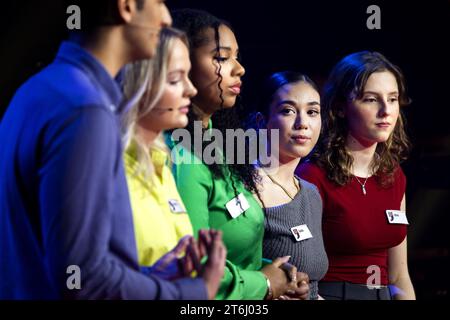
296 233
390 215
175 206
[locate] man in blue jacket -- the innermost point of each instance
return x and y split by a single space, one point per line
64 204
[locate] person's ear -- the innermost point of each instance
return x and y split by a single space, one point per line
260 121
126 9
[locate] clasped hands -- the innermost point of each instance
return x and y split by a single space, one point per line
286 282
186 258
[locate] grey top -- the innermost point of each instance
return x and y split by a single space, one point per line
308 255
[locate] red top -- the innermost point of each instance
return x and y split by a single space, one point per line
355 227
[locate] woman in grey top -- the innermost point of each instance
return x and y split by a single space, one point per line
293 207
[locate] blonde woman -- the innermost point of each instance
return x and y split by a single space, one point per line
160 219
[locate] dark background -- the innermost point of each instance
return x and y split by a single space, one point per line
311 36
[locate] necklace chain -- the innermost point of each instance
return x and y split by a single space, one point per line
363 185
284 189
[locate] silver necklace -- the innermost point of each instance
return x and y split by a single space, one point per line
363 185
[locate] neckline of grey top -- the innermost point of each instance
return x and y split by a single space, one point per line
297 195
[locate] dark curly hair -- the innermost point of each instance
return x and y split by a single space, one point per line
347 81
194 23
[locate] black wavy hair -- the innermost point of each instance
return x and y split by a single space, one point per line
194 23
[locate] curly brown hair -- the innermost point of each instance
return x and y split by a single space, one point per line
347 81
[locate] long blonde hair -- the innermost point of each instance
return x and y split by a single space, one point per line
143 85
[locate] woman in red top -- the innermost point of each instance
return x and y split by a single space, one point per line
356 169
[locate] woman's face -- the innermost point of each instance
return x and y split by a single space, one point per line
171 110
207 63
295 111
372 118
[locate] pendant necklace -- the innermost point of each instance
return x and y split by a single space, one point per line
363 185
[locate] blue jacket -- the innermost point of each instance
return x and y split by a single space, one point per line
63 195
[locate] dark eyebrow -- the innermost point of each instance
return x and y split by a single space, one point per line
290 102
223 48
293 103
220 48
376 93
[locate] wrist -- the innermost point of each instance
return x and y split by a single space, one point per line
269 292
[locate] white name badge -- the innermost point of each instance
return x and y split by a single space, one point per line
175 206
237 205
301 232
396 217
